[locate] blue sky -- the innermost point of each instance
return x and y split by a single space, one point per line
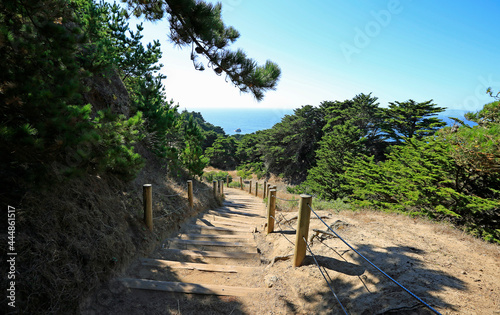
332 50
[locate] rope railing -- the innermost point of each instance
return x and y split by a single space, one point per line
373 265
301 244
287 200
281 231
327 282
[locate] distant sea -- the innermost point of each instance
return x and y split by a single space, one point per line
252 120
248 120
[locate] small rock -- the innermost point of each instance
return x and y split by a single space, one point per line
270 280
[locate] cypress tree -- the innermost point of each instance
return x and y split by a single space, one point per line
411 119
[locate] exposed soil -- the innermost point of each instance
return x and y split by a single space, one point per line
451 271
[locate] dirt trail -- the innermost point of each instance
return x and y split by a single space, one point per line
453 272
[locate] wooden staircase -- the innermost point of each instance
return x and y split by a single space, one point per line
213 254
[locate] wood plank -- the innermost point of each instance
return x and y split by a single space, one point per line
226 224
218 229
237 215
211 254
243 207
210 243
196 288
240 238
214 217
195 266
246 214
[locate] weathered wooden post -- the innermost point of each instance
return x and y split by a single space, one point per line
241 183
190 194
268 188
214 183
264 190
221 188
256 188
250 188
147 198
271 206
302 229
227 181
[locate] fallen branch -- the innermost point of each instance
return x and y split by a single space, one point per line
324 232
276 258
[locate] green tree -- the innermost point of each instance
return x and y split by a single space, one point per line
42 113
223 153
352 128
409 119
338 148
289 147
199 25
192 154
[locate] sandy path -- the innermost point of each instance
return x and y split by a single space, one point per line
453 272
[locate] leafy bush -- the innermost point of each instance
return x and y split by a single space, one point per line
244 173
234 184
214 175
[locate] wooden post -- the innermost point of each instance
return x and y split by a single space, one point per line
268 188
227 181
250 188
214 183
302 229
264 190
147 198
190 194
221 188
256 188
271 202
241 183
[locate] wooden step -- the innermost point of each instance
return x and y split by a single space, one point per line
236 215
218 229
218 218
182 287
210 243
244 205
195 266
241 213
227 224
211 254
220 237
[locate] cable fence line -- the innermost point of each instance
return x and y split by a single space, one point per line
373 265
286 199
281 232
287 222
301 245
327 282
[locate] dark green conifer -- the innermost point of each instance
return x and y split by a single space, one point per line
411 119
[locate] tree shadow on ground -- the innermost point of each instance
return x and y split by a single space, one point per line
363 290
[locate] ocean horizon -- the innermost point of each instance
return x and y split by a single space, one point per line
252 120
247 120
